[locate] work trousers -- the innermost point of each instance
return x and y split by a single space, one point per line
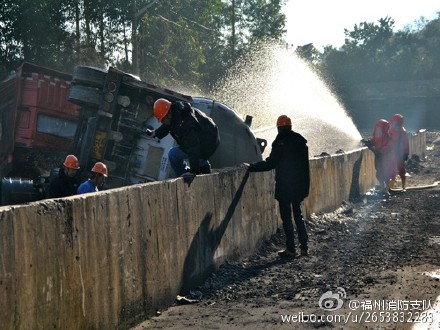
286 206
178 158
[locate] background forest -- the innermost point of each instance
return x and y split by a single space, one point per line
191 44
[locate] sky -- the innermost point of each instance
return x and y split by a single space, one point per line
322 22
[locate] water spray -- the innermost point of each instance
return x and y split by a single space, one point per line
270 81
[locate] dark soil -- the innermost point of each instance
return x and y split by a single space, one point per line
377 249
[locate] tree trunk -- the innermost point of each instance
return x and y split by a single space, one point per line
233 33
87 24
102 43
126 45
134 39
77 28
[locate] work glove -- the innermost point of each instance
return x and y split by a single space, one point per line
188 177
150 132
367 143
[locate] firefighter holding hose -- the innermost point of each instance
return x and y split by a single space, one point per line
290 159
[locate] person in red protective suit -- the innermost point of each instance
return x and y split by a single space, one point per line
399 146
380 144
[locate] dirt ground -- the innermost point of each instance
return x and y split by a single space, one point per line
374 264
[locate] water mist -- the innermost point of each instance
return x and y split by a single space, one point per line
272 81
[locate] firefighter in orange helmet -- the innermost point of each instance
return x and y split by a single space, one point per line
99 176
290 159
66 181
195 133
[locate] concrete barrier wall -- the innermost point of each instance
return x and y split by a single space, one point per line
109 260
339 178
417 143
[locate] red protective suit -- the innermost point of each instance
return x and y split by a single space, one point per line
381 146
399 145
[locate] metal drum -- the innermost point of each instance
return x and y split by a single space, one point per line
17 191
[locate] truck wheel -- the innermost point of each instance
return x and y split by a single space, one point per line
85 96
89 76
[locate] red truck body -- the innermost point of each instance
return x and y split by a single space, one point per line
37 123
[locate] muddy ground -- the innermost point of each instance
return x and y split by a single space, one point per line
380 257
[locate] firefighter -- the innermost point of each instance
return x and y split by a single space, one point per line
195 133
290 159
66 182
399 147
380 144
99 176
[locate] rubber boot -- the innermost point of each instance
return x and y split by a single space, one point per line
392 184
205 169
389 185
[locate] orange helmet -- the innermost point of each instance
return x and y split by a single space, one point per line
161 108
100 168
71 162
283 120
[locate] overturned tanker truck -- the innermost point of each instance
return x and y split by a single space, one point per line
113 110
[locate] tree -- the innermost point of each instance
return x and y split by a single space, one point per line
9 41
428 51
169 38
264 20
22 25
169 42
374 53
308 53
252 21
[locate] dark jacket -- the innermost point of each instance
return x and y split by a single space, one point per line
194 132
290 159
62 185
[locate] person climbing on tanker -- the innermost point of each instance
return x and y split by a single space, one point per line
290 159
380 144
399 148
196 134
66 181
94 184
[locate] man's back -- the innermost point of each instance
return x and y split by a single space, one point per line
62 185
292 174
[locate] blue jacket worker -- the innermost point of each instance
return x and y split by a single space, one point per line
99 176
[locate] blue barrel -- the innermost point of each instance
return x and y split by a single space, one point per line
18 191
